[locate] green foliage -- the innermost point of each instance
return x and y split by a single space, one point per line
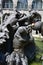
39 52
35 63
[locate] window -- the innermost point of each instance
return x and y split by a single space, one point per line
42 4
0 20
22 4
37 4
7 4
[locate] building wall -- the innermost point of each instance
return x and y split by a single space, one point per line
30 4
15 4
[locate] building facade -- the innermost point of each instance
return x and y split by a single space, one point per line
9 6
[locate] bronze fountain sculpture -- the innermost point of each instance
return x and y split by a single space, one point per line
17 44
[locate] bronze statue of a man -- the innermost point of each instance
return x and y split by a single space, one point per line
20 39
